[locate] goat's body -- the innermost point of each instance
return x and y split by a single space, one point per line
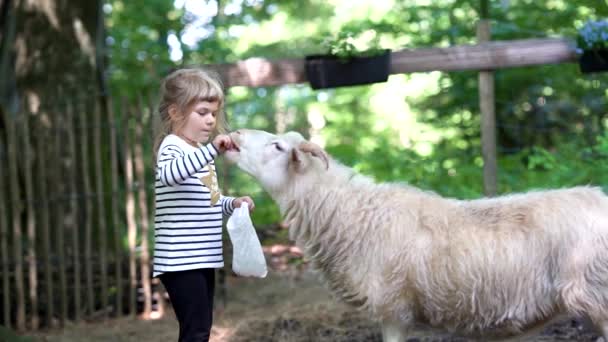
491 268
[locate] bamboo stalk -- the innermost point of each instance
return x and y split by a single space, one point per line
31 226
58 179
160 302
59 217
74 228
88 230
115 220
222 279
101 210
143 211
16 207
130 212
4 249
44 221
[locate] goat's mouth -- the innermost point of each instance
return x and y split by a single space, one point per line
234 147
233 153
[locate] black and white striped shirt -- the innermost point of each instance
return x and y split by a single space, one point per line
188 230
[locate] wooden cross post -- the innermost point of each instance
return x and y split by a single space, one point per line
488 117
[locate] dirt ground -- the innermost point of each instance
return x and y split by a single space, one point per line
287 306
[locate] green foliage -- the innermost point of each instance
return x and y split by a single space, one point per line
343 46
8 335
422 129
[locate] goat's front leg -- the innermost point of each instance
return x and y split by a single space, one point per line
393 332
604 331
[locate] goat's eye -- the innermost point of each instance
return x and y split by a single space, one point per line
278 146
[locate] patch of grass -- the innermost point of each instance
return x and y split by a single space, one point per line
7 335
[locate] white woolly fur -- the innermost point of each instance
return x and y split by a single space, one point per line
486 268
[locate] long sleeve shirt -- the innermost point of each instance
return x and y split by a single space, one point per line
188 228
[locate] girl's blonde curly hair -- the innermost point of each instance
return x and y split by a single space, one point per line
183 88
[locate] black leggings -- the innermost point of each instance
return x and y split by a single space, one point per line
191 294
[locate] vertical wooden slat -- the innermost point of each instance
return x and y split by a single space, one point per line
130 212
31 225
222 279
143 211
42 152
16 207
160 297
4 249
73 211
88 227
118 251
101 210
60 193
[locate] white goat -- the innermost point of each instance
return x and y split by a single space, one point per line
492 268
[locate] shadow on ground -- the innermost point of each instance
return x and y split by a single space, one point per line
287 306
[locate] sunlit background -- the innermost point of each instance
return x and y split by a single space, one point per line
417 128
421 128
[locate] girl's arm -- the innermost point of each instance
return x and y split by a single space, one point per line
174 166
227 204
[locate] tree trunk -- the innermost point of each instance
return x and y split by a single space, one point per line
29 65
45 45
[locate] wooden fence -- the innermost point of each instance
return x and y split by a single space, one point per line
72 186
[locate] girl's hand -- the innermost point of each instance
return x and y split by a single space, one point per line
222 143
238 201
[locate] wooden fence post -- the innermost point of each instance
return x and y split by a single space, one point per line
75 231
143 210
488 118
101 210
31 223
88 212
115 220
60 192
4 249
16 207
154 119
130 212
42 152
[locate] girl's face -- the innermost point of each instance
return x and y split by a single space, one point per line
200 122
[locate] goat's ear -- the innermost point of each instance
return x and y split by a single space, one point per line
316 151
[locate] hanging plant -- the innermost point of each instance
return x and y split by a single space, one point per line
592 44
345 65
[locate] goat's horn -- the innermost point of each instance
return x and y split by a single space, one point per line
315 150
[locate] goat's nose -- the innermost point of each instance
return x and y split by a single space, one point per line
238 131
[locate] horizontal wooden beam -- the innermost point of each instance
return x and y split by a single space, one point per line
260 72
485 56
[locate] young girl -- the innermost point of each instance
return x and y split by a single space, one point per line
189 207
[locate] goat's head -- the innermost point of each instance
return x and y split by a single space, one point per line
276 160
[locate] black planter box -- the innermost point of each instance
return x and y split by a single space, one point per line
327 71
594 61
